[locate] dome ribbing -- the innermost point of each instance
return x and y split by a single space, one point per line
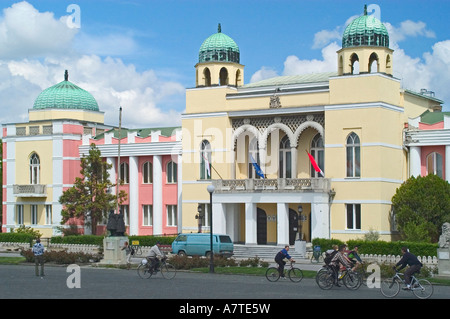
365 31
219 47
65 95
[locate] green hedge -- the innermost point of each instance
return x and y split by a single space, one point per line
151 240
98 240
16 238
78 240
393 248
380 247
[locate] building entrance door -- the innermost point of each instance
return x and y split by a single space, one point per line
261 227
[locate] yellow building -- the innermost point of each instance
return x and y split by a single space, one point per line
351 121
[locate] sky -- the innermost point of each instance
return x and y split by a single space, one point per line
141 54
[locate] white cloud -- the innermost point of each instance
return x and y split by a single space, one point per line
263 73
26 32
36 48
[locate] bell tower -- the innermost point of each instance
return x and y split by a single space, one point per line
218 62
365 47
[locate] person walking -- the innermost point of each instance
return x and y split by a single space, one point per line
38 251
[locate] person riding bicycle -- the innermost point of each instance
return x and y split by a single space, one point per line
414 266
155 255
282 254
339 259
354 254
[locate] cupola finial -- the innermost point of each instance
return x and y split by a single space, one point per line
66 76
219 29
365 9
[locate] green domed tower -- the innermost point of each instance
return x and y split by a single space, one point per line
65 95
219 62
365 40
66 100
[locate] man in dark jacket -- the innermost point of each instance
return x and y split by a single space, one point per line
279 259
414 265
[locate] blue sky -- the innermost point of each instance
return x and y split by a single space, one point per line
141 54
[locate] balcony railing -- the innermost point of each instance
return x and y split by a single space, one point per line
272 185
33 190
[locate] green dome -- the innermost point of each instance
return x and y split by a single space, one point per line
65 95
219 48
365 31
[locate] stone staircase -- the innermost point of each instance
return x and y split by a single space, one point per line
264 252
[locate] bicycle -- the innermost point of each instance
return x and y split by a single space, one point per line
325 278
145 270
317 255
295 274
421 288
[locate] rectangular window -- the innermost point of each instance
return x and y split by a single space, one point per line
48 215
19 214
147 173
124 209
353 216
147 218
171 215
172 172
34 214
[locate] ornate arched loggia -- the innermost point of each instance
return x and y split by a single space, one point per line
273 127
305 125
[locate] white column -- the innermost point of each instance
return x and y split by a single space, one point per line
179 193
157 195
414 161
320 219
250 223
112 172
447 163
233 164
134 195
294 162
232 220
282 224
219 221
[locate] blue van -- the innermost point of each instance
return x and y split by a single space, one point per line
200 245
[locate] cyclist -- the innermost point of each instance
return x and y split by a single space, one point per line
354 254
155 255
339 259
414 266
279 259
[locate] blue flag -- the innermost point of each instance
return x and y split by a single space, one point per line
258 170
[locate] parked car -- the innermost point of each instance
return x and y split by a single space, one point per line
200 245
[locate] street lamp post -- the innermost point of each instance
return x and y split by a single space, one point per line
210 189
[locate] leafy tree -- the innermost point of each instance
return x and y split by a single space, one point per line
90 198
421 205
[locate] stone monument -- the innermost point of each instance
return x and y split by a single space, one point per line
112 244
443 251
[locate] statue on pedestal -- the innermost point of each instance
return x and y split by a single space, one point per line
115 225
444 239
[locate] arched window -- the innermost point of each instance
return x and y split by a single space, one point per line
147 173
34 168
373 63
238 77
354 62
353 156
223 76
205 160
253 155
285 162
317 151
124 175
172 176
207 76
434 164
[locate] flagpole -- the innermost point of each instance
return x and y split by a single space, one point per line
118 160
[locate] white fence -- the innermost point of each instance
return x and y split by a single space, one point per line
391 259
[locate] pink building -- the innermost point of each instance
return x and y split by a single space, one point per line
150 174
428 139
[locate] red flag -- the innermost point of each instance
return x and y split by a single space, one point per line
314 164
